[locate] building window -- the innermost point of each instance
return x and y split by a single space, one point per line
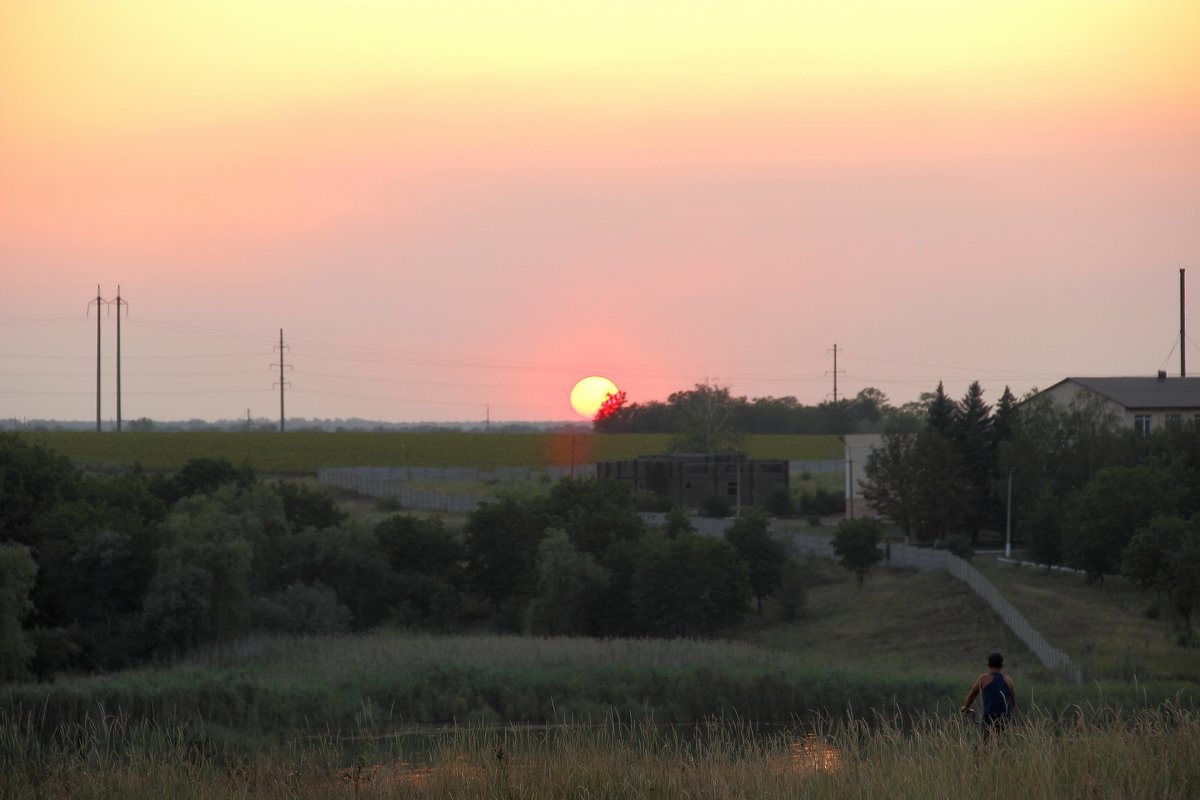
732 489
1141 424
1174 420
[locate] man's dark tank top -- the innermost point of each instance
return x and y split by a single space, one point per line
997 698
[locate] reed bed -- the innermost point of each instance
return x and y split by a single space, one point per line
1094 753
265 689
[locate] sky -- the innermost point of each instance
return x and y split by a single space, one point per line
455 209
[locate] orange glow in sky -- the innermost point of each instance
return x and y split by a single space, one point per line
455 206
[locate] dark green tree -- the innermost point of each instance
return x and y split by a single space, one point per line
973 435
939 487
308 508
889 480
689 586
594 513
1103 517
568 580
942 412
18 572
763 554
856 545
501 542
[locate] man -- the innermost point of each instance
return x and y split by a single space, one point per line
999 696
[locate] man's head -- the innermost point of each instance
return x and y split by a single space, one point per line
996 661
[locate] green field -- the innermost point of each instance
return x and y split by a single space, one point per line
302 452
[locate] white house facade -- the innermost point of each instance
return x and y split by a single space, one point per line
1143 403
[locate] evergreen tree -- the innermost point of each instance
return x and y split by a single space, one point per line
973 435
942 411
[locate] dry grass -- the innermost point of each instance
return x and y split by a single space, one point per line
1093 754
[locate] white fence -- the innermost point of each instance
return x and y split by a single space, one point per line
929 559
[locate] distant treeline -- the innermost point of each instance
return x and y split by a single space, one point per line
709 406
103 571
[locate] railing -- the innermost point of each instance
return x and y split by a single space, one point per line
929 559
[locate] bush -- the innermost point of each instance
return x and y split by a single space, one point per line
778 503
823 502
651 502
959 545
300 609
716 506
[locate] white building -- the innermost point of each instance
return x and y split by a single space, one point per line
1144 403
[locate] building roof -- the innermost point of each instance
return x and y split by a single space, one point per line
1147 393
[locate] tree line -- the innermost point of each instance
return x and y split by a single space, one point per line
708 418
1088 492
100 571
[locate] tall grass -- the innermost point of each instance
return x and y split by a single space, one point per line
1097 753
266 689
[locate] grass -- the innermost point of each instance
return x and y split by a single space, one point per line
301 452
901 622
1104 627
1094 754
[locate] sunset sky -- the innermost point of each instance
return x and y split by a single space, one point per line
449 206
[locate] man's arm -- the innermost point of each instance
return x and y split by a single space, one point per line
971 695
1012 692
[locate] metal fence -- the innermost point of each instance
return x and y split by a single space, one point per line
395 483
928 559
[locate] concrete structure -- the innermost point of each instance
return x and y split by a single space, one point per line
1143 403
859 447
690 479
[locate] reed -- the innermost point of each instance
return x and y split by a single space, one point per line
266 689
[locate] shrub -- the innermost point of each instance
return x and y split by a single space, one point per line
716 506
778 503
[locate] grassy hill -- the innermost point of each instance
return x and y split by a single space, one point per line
302 452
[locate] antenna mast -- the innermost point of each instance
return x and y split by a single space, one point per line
1182 330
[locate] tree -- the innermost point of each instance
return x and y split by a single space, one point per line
704 420
610 414
939 487
889 481
567 581
972 433
308 508
763 554
594 513
501 541
1164 556
942 411
689 586
1103 517
856 545
18 572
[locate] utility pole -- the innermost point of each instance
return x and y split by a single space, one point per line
282 383
120 304
835 373
1182 331
98 302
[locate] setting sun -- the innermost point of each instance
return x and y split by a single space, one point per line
590 393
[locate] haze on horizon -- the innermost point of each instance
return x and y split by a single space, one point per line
449 207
